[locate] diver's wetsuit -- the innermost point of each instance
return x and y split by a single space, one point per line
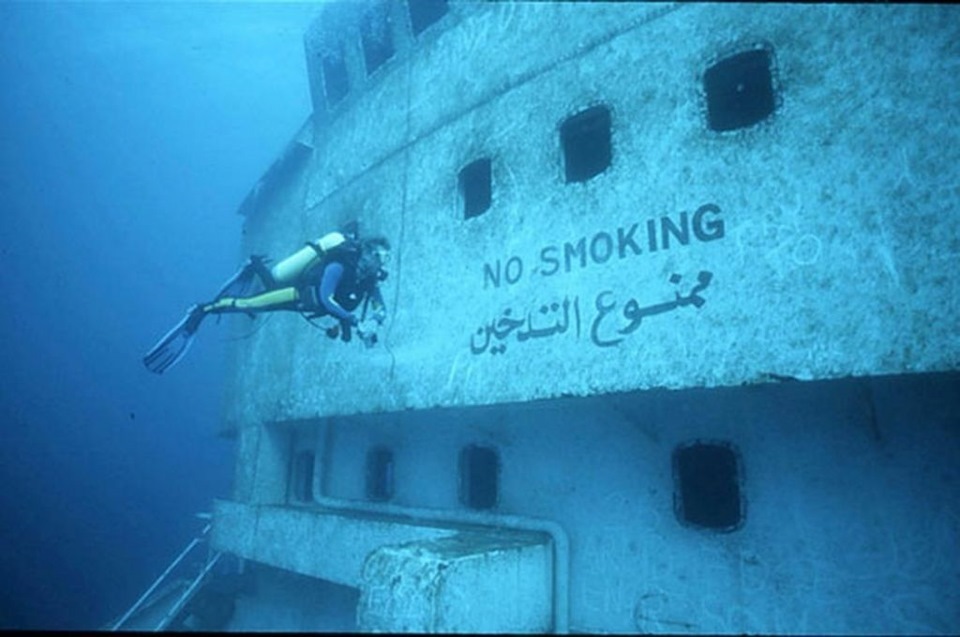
346 275
340 289
333 286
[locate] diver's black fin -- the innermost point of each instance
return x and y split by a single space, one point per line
175 343
240 283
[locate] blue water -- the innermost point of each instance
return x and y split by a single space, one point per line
129 135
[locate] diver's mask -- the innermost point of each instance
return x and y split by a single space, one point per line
383 257
372 263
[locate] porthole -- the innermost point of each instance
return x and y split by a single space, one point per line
585 138
740 90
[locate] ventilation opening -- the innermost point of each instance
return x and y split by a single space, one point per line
335 82
376 36
302 478
707 479
379 474
739 90
586 143
423 13
479 477
475 188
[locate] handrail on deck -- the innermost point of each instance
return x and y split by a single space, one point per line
143 598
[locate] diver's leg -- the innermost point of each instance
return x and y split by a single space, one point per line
176 342
258 264
282 299
240 284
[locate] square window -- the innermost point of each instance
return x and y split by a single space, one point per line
739 90
476 188
707 481
423 13
376 36
479 477
380 474
586 143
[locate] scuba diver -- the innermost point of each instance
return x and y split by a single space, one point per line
331 276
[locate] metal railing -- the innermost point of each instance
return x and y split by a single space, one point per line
171 614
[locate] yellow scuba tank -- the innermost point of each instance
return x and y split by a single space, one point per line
289 270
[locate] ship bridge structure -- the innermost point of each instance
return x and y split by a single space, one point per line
672 325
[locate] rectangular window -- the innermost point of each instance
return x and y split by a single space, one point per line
379 474
376 36
586 143
335 79
301 480
739 90
476 188
423 13
479 477
707 481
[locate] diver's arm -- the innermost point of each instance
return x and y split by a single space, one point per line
328 286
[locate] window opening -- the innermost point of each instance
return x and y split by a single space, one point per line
379 474
479 477
707 480
302 478
335 79
423 13
376 36
586 143
475 188
739 90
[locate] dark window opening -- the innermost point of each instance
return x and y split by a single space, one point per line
586 143
739 90
379 474
302 479
479 477
423 13
475 188
707 481
376 36
335 79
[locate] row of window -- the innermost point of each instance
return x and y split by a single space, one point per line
739 88
739 93
479 476
376 39
707 478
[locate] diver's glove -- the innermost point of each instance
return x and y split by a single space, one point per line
343 328
346 330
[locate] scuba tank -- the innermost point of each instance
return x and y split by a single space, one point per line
290 269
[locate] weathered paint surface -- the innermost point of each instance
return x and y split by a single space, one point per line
819 243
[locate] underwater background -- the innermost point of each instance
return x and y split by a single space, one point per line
129 135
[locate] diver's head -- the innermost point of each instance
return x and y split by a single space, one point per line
374 255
